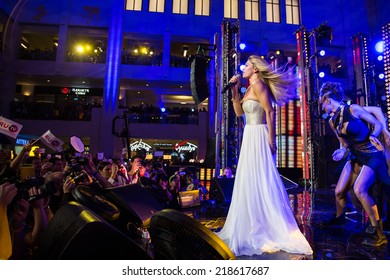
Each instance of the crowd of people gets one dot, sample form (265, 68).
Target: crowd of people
(70, 111)
(29, 202)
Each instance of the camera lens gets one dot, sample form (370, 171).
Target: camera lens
(80, 177)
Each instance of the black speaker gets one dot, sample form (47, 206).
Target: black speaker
(199, 87)
(221, 189)
(136, 203)
(176, 236)
(77, 233)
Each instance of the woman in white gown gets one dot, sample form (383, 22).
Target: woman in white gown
(260, 218)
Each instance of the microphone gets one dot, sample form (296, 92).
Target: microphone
(230, 84)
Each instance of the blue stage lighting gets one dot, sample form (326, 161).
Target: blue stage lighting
(162, 109)
(242, 46)
(380, 57)
(322, 52)
(381, 76)
(242, 66)
(321, 74)
(379, 47)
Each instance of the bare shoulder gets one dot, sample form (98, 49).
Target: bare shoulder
(354, 108)
(259, 85)
(358, 110)
(262, 94)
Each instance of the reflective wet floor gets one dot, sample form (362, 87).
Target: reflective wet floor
(310, 208)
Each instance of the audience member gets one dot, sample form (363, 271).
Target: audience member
(227, 173)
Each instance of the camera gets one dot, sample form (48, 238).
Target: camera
(79, 177)
(24, 186)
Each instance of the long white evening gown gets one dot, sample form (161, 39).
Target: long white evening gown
(260, 218)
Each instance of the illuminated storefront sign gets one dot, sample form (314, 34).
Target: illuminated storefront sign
(69, 91)
(80, 91)
(76, 91)
(139, 145)
(185, 146)
(151, 145)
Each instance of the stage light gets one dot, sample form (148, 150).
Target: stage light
(242, 66)
(381, 76)
(79, 49)
(380, 57)
(321, 74)
(185, 50)
(379, 47)
(242, 46)
(321, 52)
(271, 56)
(162, 109)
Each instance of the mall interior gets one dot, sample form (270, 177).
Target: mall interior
(131, 77)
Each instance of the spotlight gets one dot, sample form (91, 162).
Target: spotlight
(380, 57)
(381, 76)
(321, 52)
(271, 56)
(324, 34)
(80, 49)
(321, 74)
(162, 109)
(185, 50)
(379, 47)
(242, 46)
(242, 67)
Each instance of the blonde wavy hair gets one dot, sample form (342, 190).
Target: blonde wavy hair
(281, 83)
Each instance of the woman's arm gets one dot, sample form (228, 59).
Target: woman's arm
(378, 114)
(16, 162)
(359, 112)
(340, 152)
(237, 105)
(264, 96)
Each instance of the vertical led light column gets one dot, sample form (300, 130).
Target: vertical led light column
(303, 57)
(361, 66)
(386, 58)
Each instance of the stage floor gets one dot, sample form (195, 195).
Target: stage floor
(310, 208)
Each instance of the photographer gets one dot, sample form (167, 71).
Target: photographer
(83, 170)
(137, 169)
(110, 172)
(27, 221)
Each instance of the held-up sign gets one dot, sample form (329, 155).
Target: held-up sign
(9, 128)
(51, 141)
